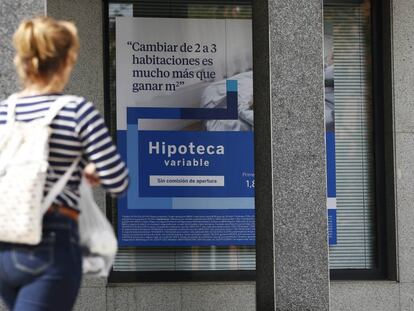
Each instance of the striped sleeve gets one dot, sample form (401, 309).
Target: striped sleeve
(100, 150)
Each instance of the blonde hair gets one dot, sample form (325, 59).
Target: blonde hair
(43, 47)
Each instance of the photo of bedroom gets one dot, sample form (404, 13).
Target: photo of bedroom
(227, 56)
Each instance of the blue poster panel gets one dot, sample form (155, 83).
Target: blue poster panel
(185, 130)
(330, 134)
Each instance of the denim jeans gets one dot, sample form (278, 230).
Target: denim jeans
(46, 276)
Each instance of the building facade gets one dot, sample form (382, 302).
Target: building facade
(366, 263)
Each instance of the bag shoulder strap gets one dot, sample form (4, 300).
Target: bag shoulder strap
(11, 107)
(57, 106)
(50, 115)
(63, 180)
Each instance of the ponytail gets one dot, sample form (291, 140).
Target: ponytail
(42, 46)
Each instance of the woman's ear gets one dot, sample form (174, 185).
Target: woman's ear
(72, 57)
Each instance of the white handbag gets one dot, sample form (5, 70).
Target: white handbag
(97, 237)
(24, 150)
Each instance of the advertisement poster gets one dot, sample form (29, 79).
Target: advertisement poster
(330, 133)
(184, 97)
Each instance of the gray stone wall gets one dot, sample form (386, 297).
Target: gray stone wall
(182, 297)
(11, 14)
(87, 77)
(298, 161)
(366, 296)
(403, 71)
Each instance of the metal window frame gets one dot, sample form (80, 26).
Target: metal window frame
(386, 267)
(153, 276)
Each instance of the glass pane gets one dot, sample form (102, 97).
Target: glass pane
(235, 64)
(349, 127)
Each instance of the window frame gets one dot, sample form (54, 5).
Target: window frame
(384, 213)
(152, 276)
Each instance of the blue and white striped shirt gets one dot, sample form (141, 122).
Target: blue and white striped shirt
(77, 130)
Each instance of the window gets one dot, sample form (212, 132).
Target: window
(228, 25)
(354, 139)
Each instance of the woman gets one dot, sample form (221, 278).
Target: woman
(48, 276)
